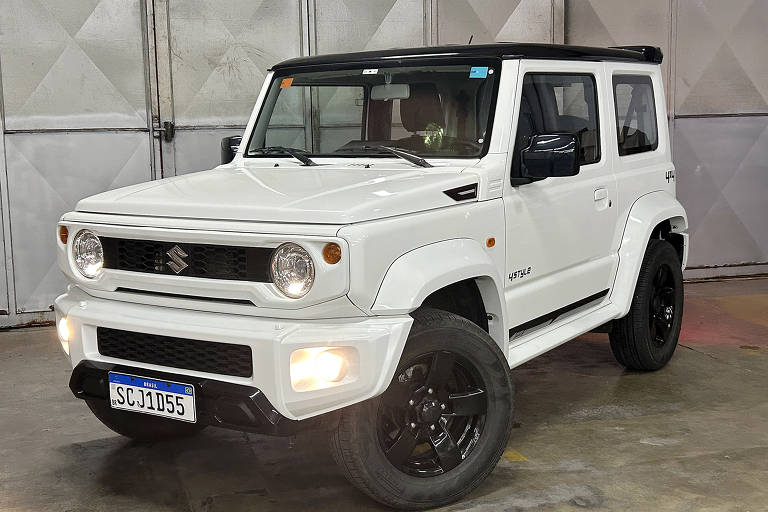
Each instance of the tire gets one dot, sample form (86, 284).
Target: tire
(385, 446)
(141, 427)
(646, 338)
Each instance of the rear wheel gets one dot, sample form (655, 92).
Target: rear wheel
(439, 429)
(141, 427)
(646, 337)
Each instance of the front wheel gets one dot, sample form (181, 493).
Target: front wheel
(440, 428)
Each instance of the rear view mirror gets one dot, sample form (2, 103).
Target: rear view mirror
(229, 146)
(390, 92)
(551, 155)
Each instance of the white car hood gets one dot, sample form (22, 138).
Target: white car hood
(324, 194)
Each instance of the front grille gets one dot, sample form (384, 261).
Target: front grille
(198, 355)
(203, 260)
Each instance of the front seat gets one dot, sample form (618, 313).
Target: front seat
(421, 109)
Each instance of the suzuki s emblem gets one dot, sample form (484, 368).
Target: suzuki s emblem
(177, 255)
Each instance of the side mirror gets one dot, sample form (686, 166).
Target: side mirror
(229, 147)
(551, 155)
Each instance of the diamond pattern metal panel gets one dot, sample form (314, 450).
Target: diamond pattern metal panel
(720, 63)
(488, 21)
(74, 64)
(47, 174)
(358, 25)
(197, 150)
(220, 51)
(722, 170)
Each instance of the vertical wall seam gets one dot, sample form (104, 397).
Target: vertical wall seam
(435, 23)
(672, 73)
(157, 91)
(5, 213)
(147, 86)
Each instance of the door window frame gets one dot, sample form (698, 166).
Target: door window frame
(597, 71)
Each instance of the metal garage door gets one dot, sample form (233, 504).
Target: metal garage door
(75, 123)
(219, 52)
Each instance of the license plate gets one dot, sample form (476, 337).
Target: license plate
(173, 400)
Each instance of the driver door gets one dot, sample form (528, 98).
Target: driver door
(560, 230)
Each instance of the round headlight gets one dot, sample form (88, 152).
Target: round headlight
(292, 270)
(88, 253)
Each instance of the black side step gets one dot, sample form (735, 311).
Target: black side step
(553, 315)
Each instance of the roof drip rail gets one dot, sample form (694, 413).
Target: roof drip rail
(650, 53)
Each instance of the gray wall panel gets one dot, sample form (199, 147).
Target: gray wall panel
(722, 171)
(220, 51)
(74, 64)
(357, 25)
(488, 21)
(721, 65)
(47, 174)
(197, 150)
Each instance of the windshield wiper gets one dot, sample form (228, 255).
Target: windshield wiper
(296, 153)
(405, 155)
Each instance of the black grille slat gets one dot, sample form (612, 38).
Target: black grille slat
(182, 353)
(228, 262)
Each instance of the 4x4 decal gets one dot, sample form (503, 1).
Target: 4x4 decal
(670, 176)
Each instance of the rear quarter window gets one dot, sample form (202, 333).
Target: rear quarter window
(636, 123)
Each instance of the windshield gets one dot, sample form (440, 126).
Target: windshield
(426, 110)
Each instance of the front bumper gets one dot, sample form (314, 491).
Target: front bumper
(219, 404)
(379, 342)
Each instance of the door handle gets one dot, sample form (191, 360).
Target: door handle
(601, 194)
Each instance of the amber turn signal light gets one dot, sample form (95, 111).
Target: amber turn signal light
(332, 253)
(63, 234)
(490, 242)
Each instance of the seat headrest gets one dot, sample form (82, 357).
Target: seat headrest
(421, 108)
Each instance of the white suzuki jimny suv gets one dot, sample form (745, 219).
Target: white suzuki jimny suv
(395, 231)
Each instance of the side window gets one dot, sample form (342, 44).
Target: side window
(636, 126)
(559, 103)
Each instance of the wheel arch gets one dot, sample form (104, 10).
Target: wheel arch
(437, 274)
(654, 215)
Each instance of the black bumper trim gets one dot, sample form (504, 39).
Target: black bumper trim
(219, 404)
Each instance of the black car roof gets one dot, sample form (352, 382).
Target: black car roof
(650, 54)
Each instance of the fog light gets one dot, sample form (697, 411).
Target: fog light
(320, 367)
(63, 330)
(330, 366)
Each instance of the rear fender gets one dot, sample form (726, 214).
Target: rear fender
(646, 213)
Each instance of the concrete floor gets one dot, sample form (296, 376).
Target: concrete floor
(693, 436)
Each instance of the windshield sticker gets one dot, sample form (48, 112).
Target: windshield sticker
(286, 83)
(478, 72)
(373, 71)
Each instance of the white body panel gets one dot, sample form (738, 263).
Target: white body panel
(402, 239)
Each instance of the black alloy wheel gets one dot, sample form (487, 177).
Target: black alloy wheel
(432, 415)
(662, 309)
